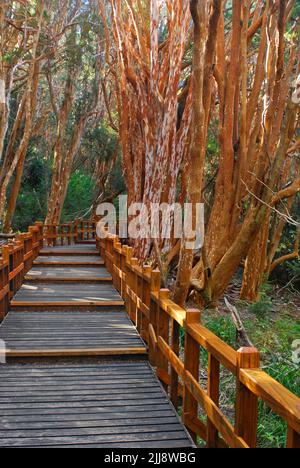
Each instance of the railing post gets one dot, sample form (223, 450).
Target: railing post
(18, 280)
(155, 283)
(144, 291)
(54, 234)
(192, 365)
(175, 336)
(7, 255)
(213, 391)
(6, 283)
(105, 245)
(133, 287)
(102, 243)
(163, 331)
(107, 253)
(35, 248)
(4, 300)
(30, 249)
(293, 438)
(75, 231)
(115, 263)
(69, 231)
(40, 227)
(64, 234)
(93, 224)
(128, 251)
(123, 258)
(246, 416)
(82, 231)
(46, 235)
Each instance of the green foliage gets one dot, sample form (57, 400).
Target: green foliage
(28, 210)
(32, 200)
(289, 271)
(265, 304)
(79, 197)
(272, 429)
(273, 336)
(33, 197)
(224, 328)
(294, 269)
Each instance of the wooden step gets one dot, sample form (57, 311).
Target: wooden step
(36, 334)
(110, 405)
(69, 260)
(68, 274)
(85, 242)
(35, 295)
(70, 253)
(70, 250)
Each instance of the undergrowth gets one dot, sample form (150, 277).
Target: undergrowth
(273, 336)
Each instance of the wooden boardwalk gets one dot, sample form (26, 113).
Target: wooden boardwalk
(95, 354)
(117, 405)
(69, 308)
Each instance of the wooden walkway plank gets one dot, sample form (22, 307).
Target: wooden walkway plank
(70, 334)
(78, 249)
(60, 294)
(87, 415)
(68, 260)
(68, 274)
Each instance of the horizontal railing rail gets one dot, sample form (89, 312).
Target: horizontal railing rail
(160, 321)
(79, 231)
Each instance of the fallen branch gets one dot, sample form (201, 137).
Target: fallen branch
(243, 337)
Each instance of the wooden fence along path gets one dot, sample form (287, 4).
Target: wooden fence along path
(66, 294)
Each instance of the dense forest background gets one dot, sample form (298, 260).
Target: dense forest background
(69, 143)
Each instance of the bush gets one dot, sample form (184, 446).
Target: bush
(265, 303)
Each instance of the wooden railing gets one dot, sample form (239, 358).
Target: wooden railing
(159, 321)
(17, 259)
(18, 256)
(77, 232)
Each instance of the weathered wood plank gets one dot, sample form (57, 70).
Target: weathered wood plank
(68, 260)
(108, 334)
(93, 409)
(68, 274)
(99, 439)
(87, 423)
(43, 294)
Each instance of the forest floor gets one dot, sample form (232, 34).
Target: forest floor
(272, 324)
